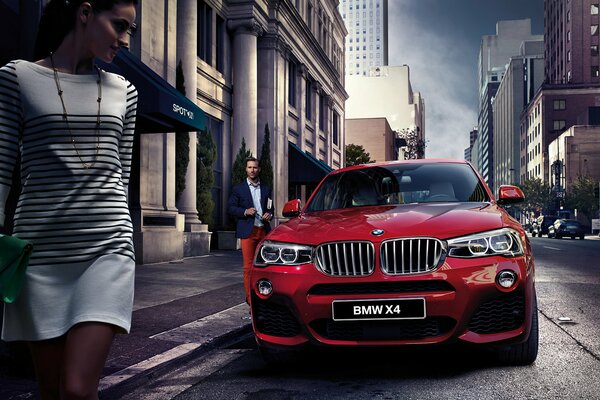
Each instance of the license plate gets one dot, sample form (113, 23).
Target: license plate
(365, 310)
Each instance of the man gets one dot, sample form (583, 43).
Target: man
(251, 204)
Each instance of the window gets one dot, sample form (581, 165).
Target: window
(594, 30)
(594, 50)
(205, 32)
(559, 104)
(569, 35)
(221, 32)
(335, 134)
(595, 71)
(308, 101)
(292, 83)
(594, 9)
(321, 112)
(559, 124)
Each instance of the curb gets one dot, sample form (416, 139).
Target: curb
(187, 352)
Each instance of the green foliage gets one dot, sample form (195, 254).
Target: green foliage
(206, 154)
(182, 142)
(266, 168)
(582, 196)
(238, 171)
(538, 197)
(356, 155)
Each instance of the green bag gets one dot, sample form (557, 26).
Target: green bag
(14, 256)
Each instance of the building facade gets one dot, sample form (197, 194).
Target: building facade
(523, 75)
(375, 135)
(575, 152)
(570, 95)
(387, 93)
(572, 37)
(247, 65)
(494, 53)
(469, 150)
(554, 109)
(367, 42)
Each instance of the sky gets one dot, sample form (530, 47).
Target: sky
(439, 40)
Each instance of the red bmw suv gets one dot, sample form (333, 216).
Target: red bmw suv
(398, 253)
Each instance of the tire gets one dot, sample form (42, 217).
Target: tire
(558, 236)
(523, 353)
(582, 237)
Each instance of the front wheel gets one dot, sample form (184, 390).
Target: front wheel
(523, 353)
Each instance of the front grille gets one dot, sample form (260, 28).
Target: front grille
(380, 288)
(274, 319)
(411, 256)
(383, 330)
(346, 258)
(502, 314)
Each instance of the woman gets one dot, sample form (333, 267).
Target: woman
(73, 126)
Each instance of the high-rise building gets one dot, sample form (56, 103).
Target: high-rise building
(565, 110)
(494, 53)
(469, 150)
(571, 30)
(524, 75)
(367, 40)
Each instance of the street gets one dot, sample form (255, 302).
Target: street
(567, 367)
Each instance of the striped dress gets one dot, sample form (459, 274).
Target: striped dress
(82, 268)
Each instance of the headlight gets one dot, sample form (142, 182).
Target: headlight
(282, 254)
(505, 242)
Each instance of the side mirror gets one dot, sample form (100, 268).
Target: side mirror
(291, 209)
(509, 194)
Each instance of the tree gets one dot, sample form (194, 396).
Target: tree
(356, 155)
(206, 154)
(266, 168)
(238, 171)
(538, 197)
(182, 142)
(582, 196)
(415, 145)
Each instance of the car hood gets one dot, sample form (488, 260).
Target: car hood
(440, 220)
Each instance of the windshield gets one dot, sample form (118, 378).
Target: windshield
(399, 184)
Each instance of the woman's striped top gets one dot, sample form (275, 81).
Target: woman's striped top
(72, 214)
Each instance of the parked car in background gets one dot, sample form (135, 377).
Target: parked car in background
(403, 253)
(541, 224)
(566, 227)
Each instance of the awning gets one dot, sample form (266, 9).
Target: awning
(304, 168)
(161, 107)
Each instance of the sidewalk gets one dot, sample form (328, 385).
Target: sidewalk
(179, 308)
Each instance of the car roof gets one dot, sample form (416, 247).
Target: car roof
(400, 162)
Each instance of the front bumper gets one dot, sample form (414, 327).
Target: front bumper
(463, 303)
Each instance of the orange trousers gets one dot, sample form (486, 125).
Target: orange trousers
(249, 245)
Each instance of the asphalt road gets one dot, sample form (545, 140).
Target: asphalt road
(568, 365)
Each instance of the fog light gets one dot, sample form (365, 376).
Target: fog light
(265, 287)
(506, 279)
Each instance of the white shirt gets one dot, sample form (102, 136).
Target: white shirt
(255, 192)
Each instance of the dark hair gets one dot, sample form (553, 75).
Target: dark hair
(252, 159)
(58, 19)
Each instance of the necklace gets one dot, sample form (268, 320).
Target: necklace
(66, 118)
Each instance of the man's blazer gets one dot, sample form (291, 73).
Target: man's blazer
(240, 200)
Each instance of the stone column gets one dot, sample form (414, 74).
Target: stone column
(196, 235)
(245, 84)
